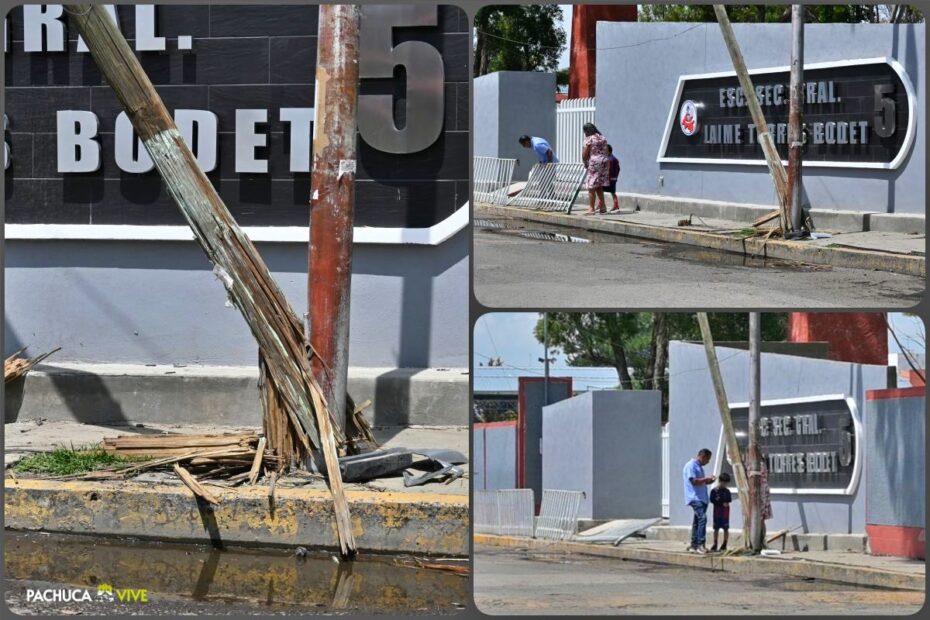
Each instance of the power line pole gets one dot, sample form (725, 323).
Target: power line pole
(795, 105)
(756, 499)
(332, 204)
(729, 434)
(289, 391)
(546, 356)
(776, 169)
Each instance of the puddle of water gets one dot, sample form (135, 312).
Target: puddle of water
(271, 577)
(543, 232)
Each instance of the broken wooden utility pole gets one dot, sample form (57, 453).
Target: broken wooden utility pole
(288, 382)
(776, 169)
(754, 456)
(332, 203)
(795, 105)
(732, 447)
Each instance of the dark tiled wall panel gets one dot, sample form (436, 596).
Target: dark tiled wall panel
(242, 57)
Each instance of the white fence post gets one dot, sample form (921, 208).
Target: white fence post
(570, 115)
(666, 472)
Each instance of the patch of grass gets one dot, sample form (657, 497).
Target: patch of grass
(747, 232)
(63, 461)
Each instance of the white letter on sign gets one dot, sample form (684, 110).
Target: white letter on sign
(146, 40)
(202, 124)
(247, 140)
(131, 155)
(111, 9)
(78, 151)
(43, 30)
(301, 120)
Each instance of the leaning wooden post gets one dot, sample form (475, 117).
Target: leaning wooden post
(235, 260)
(776, 169)
(332, 202)
(742, 484)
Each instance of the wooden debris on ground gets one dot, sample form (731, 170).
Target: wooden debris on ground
(781, 533)
(175, 445)
(462, 570)
(15, 366)
(194, 485)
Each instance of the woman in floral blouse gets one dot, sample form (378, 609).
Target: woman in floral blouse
(595, 158)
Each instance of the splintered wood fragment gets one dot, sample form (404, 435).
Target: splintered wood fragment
(257, 463)
(236, 263)
(781, 533)
(15, 367)
(272, 485)
(768, 217)
(191, 483)
(173, 445)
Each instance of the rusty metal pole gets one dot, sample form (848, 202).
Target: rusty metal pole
(332, 202)
(795, 105)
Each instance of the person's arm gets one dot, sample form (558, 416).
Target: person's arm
(702, 481)
(549, 156)
(585, 152)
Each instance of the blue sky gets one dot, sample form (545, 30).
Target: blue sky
(509, 335)
(567, 27)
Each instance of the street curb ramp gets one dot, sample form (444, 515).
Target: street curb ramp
(805, 569)
(387, 522)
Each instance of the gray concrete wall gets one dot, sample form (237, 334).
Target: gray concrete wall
(600, 442)
(638, 67)
(494, 465)
(509, 104)
(159, 303)
(532, 400)
(896, 457)
(694, 423)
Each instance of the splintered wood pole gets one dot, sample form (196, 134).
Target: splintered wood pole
(332, 203)
(287, 379)
(795, 105)
(754, 456)
(776, 169)
(729, 434)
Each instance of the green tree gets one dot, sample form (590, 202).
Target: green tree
(635, 344)
(758, 13)
(518, 38)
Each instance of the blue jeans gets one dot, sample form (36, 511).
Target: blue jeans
(699, 525)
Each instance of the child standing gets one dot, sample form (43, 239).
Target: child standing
(720, 497)
(613, 175)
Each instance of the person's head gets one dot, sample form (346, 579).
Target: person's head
(723, 480)
(525, 141)
(589, 129)
(703, 456)
(610, 150)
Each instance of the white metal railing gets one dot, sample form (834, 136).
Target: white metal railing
(506, 512)
(492, 178)
(558, 514)
(486, 513)
(551, 187)
(666, 473)
(570, 115)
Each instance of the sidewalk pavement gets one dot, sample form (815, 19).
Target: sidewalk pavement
(878, 250)
(846, 567)
(24, 438)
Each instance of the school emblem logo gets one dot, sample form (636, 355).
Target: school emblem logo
(688, 118)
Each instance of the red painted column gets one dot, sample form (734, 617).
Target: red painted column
(860, 337)
(583, 55)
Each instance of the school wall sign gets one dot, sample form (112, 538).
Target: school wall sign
(857, 114)
(810, 445)
(239, 81)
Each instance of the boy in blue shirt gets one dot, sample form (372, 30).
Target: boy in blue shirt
(696, 497)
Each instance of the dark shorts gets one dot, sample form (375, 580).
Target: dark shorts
(611, 187)
(721, 523)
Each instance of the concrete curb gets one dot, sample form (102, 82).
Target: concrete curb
(806, 569)
(422, 523)
(773, 248)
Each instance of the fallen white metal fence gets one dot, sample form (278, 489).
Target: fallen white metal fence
(551, 187)
(505, 512)
(492, 178)
(570, 115)
(558, 515)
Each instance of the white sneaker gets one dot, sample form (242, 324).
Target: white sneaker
(701, 551)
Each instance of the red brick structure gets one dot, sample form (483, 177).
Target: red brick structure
(581, 73)
(860, 337)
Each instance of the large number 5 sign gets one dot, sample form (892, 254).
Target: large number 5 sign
(423, 64)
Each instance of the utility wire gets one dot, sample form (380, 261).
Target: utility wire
(594, 49)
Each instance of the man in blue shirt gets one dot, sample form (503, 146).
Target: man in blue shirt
(543, 151)
(696, 497)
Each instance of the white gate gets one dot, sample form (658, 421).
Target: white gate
(666, 473)
(570, 115)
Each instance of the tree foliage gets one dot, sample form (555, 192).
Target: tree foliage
(518, 38)
(758, 13)
(636, 343)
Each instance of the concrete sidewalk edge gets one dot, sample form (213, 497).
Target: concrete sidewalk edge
(773, 248)
(807, 569)
(422, 523)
